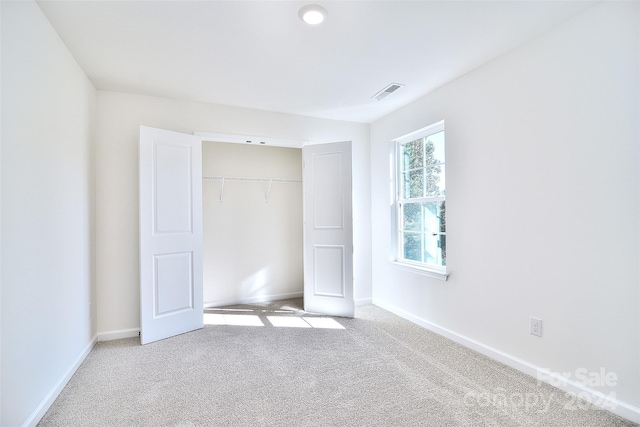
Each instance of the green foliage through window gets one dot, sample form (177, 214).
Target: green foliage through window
(422, 204)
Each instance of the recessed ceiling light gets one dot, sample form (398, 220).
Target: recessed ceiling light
(313, 14)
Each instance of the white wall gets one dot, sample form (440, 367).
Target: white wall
(119, 118)
(542, 201)
(252, 250)
(48, 112)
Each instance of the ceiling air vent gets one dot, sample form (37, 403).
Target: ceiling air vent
(387, 91)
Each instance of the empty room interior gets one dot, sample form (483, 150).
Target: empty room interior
(348, 213)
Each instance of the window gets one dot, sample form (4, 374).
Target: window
(421, 199)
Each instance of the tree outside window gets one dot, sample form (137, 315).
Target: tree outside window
(422, 199)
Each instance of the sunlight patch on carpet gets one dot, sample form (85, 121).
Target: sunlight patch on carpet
(304, 322)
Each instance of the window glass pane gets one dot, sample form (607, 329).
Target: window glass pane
(435, 181)
(413, 184)
(413, 246)
(431, 249)
(404, 192)
(412, 216)
(434, 149)
(434, 217)
(435, 249)
(431, 217)
(412, 155)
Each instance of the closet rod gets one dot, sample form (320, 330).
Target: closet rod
(245, 179)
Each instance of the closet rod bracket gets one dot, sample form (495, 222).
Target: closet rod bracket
(222, 190)
(266, 199)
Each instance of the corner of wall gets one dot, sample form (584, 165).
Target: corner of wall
(1, 376)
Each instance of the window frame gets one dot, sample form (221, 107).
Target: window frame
(397, 256)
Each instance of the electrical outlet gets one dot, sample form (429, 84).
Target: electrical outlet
(535, 326)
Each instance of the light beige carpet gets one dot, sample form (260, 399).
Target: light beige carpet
(380, 370)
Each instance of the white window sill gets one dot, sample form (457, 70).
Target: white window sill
(435, 274)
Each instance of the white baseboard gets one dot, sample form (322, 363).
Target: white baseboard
(118, 334)
(46, 403)
(589, 394)
(252, 300)
(362, 301)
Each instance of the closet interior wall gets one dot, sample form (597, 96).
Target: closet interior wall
(252, 247)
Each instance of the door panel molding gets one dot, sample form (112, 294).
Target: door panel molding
(328, 229)
(170, 181)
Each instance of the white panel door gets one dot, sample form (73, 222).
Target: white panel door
(328, 229)
(170, 234)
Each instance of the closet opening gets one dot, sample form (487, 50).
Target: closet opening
(222, 223)
(252, 227)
